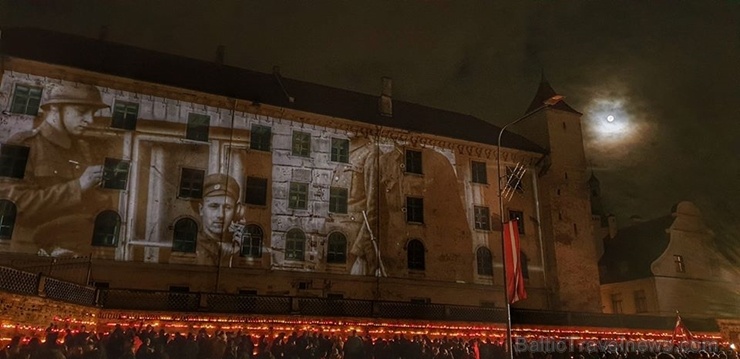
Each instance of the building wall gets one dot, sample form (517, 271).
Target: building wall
(622, 297)
(375, 177)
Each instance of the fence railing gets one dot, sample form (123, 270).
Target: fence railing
(20, 282)
(16, 281)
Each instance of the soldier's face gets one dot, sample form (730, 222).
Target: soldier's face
(216, 214)
(76, 118)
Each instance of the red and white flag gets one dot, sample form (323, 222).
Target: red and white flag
(512, 261)
(680, 330)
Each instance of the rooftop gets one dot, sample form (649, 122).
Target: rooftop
(217, 79)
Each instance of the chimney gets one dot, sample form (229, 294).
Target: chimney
(220, 54)
(385, 102)
(612, 220)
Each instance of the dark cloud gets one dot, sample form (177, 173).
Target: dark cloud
(672, 65)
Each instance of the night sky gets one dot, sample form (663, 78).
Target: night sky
(667, 70)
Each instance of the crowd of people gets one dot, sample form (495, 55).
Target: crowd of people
(148, 343)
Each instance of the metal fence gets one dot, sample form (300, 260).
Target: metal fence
(69, 292)
(16, 281)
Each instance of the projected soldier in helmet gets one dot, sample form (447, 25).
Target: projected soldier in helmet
(58, 194)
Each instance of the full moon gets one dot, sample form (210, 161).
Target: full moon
(610, 118)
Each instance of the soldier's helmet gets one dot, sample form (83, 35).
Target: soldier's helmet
(80, 94)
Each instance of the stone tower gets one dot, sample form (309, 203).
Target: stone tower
(565, 204)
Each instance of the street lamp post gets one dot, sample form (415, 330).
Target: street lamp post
(547, 103)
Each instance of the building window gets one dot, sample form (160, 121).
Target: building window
(301, 144)
(338, 200)
(524, 261)
(260, 137)
(125, 115)
(680, 267)
(13, 160)
(115, 174)
(415, 255)
(414, 210)
(198, 127)
(256, 192)
(514, 178)
(340, 150)
(640, 301)
(484, 259)
(413, 162)
(337, 249)
(186, 234)
(617, 303)
(7, 219)
(519, 216)
(482, 218)
(295, 245)
(252, 241)
(298, 197)
(191, 183)
(26, 100)
(479, 173)
(105, 232)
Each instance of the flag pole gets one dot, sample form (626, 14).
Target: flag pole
(509, 348)
(546, 103)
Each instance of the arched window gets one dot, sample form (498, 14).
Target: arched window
(186, 235)
(295, 245)
(525, 265)
(7, 219)
(485, 261)
(107, 226)
(415, 255)
(252, 241)
(337, 249)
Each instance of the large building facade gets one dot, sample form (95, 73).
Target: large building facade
(176, 174)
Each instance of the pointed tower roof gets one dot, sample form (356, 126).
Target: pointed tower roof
(544, 92)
